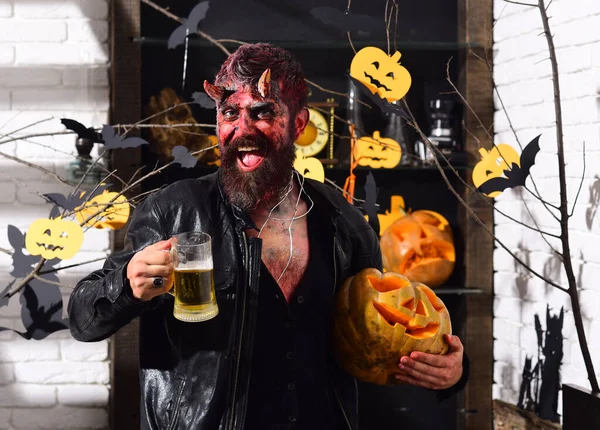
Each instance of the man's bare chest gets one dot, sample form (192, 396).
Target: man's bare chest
(285, 253)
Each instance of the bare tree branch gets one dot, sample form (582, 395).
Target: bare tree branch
(70, 266)
(6, 251)
(37, 167)
(581, 182)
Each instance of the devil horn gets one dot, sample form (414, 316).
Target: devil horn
(264, 84)
(215, 92)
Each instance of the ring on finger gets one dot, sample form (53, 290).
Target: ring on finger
(158, 282)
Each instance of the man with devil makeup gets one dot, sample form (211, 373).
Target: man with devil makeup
(282, 246)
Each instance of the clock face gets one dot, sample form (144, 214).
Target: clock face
(315, 136)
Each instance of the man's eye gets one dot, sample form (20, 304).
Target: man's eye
(228, 114)
(265, 114)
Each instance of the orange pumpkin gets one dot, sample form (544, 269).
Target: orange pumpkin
(419, 246)
(54, 238)
(107, 210)
(378, 318)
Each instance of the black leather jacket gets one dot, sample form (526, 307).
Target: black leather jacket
(195, 376)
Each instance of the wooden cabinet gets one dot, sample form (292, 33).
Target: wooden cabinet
(430, 33)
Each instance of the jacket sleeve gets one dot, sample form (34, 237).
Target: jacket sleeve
(103, 301)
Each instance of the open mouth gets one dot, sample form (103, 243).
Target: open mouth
(49, 247)
(250, 157)
(376, 82)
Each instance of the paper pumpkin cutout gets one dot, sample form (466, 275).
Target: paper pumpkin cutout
(378, 318)
(82, 131)
(182, 156)
(202, 100)
(514, 171)
(103, 212)
(345, 21)
(380, 73)
(309, 167)
(189, 25)
(112, 140)
(54, 238)
(377, 151)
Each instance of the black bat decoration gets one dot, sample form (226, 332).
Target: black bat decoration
(182, 156)
(345, 21)
(113, 140)
(516, 175)
(203, 100)
(385, 106)
(72, 200)
(189, 26)
(82, 131)
(370, 203)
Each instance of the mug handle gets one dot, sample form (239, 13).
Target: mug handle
(172, 252)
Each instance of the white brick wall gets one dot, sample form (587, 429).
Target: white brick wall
(53, 63)
(523, 77)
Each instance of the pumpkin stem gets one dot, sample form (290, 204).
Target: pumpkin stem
(483, 152)
(396, 56)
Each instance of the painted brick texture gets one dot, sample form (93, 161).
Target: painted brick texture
(54, 61)
(522, 73)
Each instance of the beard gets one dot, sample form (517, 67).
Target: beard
(264, 186)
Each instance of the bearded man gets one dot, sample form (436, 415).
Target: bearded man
(282, 246)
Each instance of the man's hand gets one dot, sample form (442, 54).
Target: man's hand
(154, 261)
(433, 371)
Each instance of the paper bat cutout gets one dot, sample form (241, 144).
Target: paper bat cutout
(112, 140)
(517, 174)
(182, 156)
(73, 200)
(82, 131)
(370, 204)
(189, 26)
(203, 100)
(345, 21)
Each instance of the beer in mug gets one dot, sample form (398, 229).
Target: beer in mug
(194, 288)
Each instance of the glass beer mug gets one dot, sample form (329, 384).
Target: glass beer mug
(193, 286)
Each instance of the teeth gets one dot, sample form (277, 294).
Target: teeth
(248, 148)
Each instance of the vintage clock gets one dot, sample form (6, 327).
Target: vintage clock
(315, 136)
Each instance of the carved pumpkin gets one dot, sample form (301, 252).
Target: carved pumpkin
(54, 238)
(419, 246)
(103, 213)
(380, 73)
(378, 318)
(493, 164)
(377, 151)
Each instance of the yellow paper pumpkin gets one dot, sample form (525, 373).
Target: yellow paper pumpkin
(100, 213)
(377, 151)
(54, 238)
(493, 164)
(380, 73)
(309, 167)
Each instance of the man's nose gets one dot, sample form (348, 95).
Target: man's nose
(245, 126)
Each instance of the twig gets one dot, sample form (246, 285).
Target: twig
(581, 182)
(6, 251)
(56, 133)
(48, 281)
(56, 269)
(131, 127)
(180, 20)
(472, 212)
(519, 3)
(15, 289)
(29, 126)
(564, 210)
(37, 167)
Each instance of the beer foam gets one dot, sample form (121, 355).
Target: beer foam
(196, 265)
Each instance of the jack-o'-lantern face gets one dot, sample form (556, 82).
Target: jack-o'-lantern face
(380, 317)
(493, 164)
(377, 151)
(421, 247)
(104, 212)
(381, 73)
(54, 238)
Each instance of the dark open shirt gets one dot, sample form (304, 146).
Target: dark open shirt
(289, 383)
